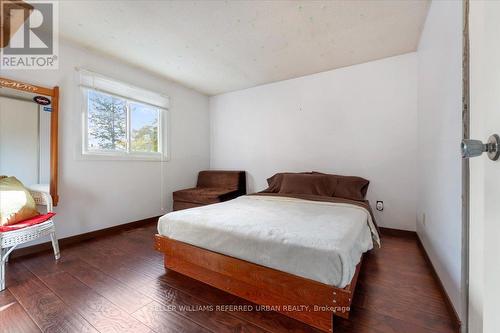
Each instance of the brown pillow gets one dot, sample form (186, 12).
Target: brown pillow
(354, 188)
(315, 184)
(349, 187)
(275, 181)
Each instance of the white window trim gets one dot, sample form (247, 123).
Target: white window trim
(163, 131)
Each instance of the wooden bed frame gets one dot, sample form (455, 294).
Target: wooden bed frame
(308, 301)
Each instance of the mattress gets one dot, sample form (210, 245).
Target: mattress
(321, 241)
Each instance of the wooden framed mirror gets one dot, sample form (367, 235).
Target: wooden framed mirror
(29, 134)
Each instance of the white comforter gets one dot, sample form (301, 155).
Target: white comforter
(321, 241)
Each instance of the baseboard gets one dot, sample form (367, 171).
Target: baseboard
(451, 309)
(65, 242)
(398, 232)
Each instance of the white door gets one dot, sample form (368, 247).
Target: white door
(484, 240)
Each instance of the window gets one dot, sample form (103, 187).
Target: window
(121, 127)
(144, 124)
(106, 122)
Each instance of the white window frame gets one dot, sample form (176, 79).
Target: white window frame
(128, 154)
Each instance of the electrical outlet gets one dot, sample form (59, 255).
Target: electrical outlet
(380, 206)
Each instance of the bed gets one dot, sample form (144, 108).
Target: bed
(299, 255)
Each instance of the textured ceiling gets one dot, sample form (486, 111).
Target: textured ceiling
(221, 46)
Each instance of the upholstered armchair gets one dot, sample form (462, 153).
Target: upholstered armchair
(213, 186)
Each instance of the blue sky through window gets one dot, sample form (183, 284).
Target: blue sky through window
(142, 115)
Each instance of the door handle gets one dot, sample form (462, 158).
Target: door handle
(473, 148)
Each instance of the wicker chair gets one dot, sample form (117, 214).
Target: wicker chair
(10, 239)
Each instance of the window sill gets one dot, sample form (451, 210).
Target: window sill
(91, 156)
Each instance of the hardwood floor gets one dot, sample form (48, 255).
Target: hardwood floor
(118, 284)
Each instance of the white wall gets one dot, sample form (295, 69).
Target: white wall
(100, 194)
(358, 120)
(439, 136)
(44, 128)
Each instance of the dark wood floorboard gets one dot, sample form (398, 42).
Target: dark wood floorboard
(95, 308)
(118, 284)
(46, 309)
(162, 319)
(13, 318)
